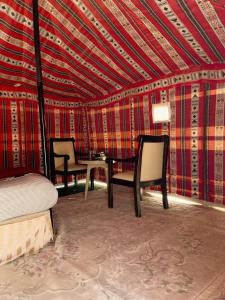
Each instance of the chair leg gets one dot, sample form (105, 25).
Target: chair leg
(92, 179)
(137, 199)
(75, 180)
(52, 177)
(164, 195)
(66, 182)
(110, 195)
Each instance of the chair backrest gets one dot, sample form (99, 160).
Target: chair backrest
(63, 146)
(152, 157)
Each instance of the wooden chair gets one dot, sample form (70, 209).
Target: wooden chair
(150, 165)
(63, 160)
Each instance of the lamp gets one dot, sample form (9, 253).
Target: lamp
(161, 112)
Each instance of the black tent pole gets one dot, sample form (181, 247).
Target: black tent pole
(40, 87)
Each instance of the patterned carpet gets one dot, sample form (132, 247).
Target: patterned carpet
(102, 253)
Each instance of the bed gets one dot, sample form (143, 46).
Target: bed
(25, 221)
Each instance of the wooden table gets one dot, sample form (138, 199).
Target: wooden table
(91, 164)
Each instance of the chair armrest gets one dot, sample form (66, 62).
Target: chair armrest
(66, 156)
(111, 160)
(65, 161)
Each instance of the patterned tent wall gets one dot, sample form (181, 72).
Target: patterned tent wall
(93, 49)
(20, 135)
(197, 138)
(66, 122)
(197, 153)
(20, 143)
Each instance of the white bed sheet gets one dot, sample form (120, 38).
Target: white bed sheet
(26, 194)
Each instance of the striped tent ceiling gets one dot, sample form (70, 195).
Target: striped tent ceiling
(94, 48)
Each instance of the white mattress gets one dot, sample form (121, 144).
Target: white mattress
(26, 194)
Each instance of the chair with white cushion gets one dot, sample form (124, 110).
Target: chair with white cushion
(63, 160)
(150, 165)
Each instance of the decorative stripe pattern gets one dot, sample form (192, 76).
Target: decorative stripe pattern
(196, 163)
(20, 135)
(92, 50)
(206, 149)
(4, 134)
(146, 113)
(105, 130)
(163, 99)
(213, 19)
(183, 147)
(135, 35)
(185, 78)
(104, 63)
(164, 42)
(118, 131)
(201, 31)
(194, 140)
(15, 135)
(184, 32)
(219, 143)
(115, 128)
(132, 128)
(173, 143)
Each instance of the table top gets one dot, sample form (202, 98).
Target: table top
(97, 162)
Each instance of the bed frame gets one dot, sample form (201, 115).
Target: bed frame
(25, 234)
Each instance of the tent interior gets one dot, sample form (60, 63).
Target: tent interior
(103, 65)
(93, 70)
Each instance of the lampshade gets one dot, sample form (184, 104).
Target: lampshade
(161, 112)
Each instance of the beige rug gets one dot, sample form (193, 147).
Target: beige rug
(103, 253)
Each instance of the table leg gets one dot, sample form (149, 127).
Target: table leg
(87, 182)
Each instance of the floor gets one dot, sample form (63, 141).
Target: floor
(109, 254)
